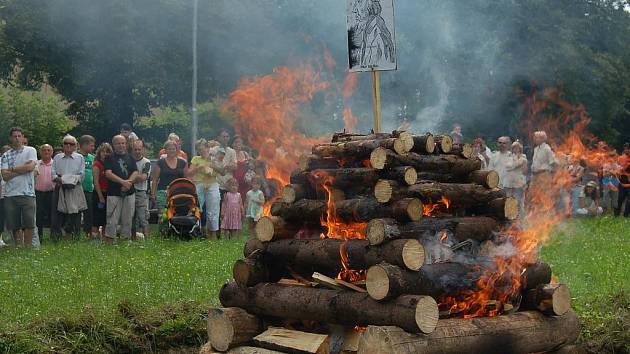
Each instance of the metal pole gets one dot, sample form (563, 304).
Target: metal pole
(194, 79)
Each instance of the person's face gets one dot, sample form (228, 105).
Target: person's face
(120, 145)
(238, 144)
(24, 141)
(457, 129)
(255, 186)
(538, 139)
(503, 144)
(626, 151)
(220, 156)
(88, 148)
(69, 146)
(125, 133)
(224, 138)
(171, 150)
(138, 150)
(105, 154)
(16, 139)
(46, 152)
(203, 151)
(517, 150)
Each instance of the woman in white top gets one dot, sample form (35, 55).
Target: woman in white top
(516, 169)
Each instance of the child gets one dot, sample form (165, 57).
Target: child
(610, 190)
(255, 201)
(231, 209)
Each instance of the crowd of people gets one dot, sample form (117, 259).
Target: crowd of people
(106, 192)
(596, 187)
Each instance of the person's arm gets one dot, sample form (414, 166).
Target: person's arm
(97, 186)
(156, 180)
(261, 199)
(112, 177)
(192, 169)
(143, 176)
(81, 170)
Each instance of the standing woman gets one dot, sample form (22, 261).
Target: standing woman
(203, 171)
(167, 169)
(242, 157)
(99, 199)
(516, 169)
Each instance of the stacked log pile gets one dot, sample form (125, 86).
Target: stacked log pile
(370, 235)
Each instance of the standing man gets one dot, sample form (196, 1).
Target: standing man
(86, 148)
(624, 181)
(121, 172)
(68, 170)
(44, 188)
(143, 165)
(17, 168)
(543, 162)
(499, 160)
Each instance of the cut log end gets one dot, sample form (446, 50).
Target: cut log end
(413, 255)
(561, 300)
(414, 209)
(220, 332)
(492, 179)
(375, 231)
(230, 327)
(383, 191)
(401, 146)
(466, 150)
(511, 208)
(407, 139)
(292, 192)
(430, 144)
(241, 272)
(445, 143)
(378, 158)
(550, 299)
(377, 283)
(264, 229)
(411, 176)
(427, 314)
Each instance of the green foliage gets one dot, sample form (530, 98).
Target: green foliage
(40, 113)
(178, 119)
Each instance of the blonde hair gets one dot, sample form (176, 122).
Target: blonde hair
(518, 145)
(101, 148)
(541, 134)
(173, 137)
(201, 143)
(169, 143)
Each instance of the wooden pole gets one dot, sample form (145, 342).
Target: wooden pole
(376, 98)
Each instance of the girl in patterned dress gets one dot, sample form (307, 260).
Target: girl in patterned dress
(231, 210)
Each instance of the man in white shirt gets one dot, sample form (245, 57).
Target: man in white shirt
(500, 159)
(543, 162)
(17, 169)
(141, 216)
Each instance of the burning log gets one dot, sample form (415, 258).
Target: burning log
(290, 341)
(459, 194)
(444, 143)
(343, 136)
(518, 333)
(536, 274)
(386, 281)
(463, 150)
(324, 255)
(476, 228)
(350, 210)
(423, 144)
(231, 327)
(412, 313)
(550, 299)
(360, 149)
(486, 178)
(273, 228)
(383, 158)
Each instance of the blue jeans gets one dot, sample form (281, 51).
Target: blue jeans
(212, 199)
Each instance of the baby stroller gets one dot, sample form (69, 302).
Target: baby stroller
(182, 216)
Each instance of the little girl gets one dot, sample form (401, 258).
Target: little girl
(255, 201)
(231, 209)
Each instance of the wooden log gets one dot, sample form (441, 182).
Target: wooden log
(255, 269)
(274, 228)
(413, 313)
(383, 158)
(464, 150)
(360, 149)
(536, 274)
(323, 255)
(312, 162)
(503, 208)
(343, 136)
(477, 228)
(459, 194)
(423, 144)
(550, 299)
(486, 178)
(293, 192)
(518, 333)
(231, 327)
(443, 143)
(350, 210)
(406, 174)
(351, 180)
(291, 341)
(386, 281)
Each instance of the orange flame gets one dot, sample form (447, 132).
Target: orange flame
(429, 209)
(347, 274)
(571, 141)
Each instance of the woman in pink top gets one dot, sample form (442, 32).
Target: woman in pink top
(44, 190)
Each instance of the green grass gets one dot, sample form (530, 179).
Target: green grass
(151, 296)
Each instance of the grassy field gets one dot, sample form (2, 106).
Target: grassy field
(81, 297)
